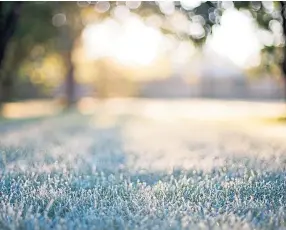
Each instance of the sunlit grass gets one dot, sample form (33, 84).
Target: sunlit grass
(30, 109)
(122, 169)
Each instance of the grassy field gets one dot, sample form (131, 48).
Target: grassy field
(129, 166)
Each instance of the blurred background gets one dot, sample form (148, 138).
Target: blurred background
(57, 55)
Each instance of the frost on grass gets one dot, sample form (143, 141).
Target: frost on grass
(68, 173)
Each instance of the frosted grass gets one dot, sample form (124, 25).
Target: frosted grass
(68, 172)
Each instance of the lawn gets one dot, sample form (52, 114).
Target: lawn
(125, 168)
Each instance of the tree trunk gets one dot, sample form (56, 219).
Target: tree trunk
(66, 44)
(6, 89)
(69, 81)
(7, 25)
(283, 67)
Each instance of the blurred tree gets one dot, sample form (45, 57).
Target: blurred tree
(270, 16)
(283, 63)
(69, 18)
(43, 28)
(9, 13)
(28, 34)
(56, 26)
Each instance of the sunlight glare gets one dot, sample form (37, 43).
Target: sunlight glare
(121, 13)
(133, 4)
(189, 5)
(167, 7)
(130, 42)
(236, 39)
(102, 6)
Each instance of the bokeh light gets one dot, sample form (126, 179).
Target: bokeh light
(140, 114)
(120, 48)
(131, 42)
(167, 7)
(237, 39)
(102, 6)
(59, 19)
(133, 4)
(189, 5)
(121, 13)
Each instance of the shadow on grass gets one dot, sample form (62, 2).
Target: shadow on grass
(9, 124)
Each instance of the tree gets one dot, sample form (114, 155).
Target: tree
(59, 24)
(9, 14)
(44, 31)
(22, 36)
(283, 14)
(264, 13)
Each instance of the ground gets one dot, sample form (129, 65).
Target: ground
(144, 165)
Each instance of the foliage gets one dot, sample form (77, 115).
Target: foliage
(36, 27)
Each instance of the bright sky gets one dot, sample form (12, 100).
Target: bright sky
(130, 41)
(237, 39)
